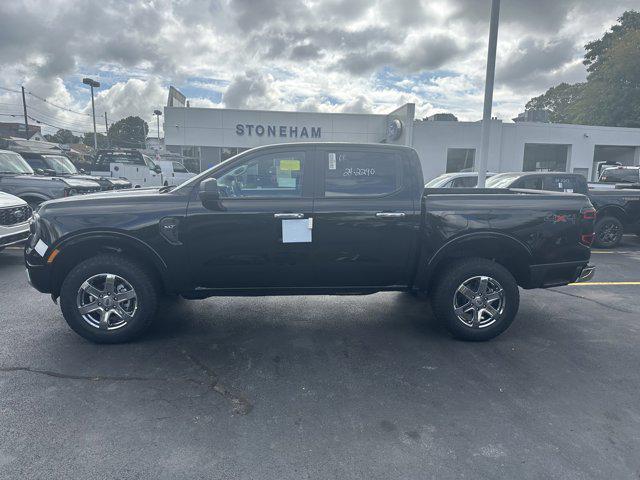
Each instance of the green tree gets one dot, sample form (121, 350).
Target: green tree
(558, 101)
(63, 136)
(129, 132)
(596, 50)
(102, 140)
(611, 94)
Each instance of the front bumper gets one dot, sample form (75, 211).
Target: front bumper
(10, 235)
(38, 272)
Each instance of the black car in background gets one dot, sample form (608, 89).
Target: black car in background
(618, 210)
(19, 179)
(58, 165)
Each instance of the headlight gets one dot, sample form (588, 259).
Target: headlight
(35, 229)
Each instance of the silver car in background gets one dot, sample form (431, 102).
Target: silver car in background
(15, 214)
(456, 180)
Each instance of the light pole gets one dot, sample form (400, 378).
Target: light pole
(488, 93)
(157, 113)
(92, 84)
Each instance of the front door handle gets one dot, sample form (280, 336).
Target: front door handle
(288, 215)
(390, 214)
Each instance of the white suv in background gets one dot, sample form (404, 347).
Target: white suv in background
(15, 214)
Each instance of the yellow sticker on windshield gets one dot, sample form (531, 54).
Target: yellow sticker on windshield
(290, 165)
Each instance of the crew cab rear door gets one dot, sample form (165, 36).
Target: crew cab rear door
(366, 216)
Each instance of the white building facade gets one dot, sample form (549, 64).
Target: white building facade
(213, 135)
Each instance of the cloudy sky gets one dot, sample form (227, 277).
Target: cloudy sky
(313, 55)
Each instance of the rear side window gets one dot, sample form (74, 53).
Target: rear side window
(361, 173)
(559, 184)
(533, 182)
(104, 159)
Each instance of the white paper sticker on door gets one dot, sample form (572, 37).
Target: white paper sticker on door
(296, 231)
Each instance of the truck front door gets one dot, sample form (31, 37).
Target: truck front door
(239, 243)
(366, 216)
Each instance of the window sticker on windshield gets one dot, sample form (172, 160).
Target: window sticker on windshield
(292, 165)
(332, 161)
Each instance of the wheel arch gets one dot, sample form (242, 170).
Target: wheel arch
(508, 251)
(80, 247)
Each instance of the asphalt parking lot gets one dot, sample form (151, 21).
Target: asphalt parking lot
(327, 387)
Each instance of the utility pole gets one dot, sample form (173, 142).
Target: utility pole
(93, 83)
(106, 127)
(488, 93)
(26, 122)
(157, 113)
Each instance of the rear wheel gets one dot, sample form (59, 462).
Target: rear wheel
(608, 232)
(476, 299)
(108, 299)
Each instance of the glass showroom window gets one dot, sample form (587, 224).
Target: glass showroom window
(460, 159)
(545, 157)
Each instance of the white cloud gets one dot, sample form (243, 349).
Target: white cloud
(320, 55)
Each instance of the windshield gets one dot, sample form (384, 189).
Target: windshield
(13, 163)
(438, 181)
(503, 180)
(60, 164)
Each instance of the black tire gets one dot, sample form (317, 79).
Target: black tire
(446, 293)
(608, 232)
(136, 275)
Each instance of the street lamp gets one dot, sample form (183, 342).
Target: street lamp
(488, 93)
(157, 113)
(92, 84)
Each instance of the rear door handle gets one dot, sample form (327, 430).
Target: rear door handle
(390, 214)
(288, 215)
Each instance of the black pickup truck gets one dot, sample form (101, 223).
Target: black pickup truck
(307, 218)
(618, 211)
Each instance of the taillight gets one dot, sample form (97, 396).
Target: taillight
(587, 239)
(588, 214)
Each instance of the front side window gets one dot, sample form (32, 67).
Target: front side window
(179, 168)
(361, 173)
(60, 164)
(267, 175)
(464, 182)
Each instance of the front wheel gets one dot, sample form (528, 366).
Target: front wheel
(108, 299)
(476, 299)
(609, 231)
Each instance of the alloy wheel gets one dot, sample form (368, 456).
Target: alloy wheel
(107, 301)
(479, 301)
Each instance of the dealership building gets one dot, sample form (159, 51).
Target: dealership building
(214, 134)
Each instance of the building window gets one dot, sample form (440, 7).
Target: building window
(228, 152)
(545, 157)
(460, 159)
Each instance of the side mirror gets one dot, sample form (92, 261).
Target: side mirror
(157, 169)
(39, 171)
(209, 191)
(82, 170)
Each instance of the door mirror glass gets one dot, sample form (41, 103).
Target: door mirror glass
(39, 171)
(157, 169)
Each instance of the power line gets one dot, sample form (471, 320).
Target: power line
(57, 106)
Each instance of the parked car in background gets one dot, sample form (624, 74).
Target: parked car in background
(19, 179)
(137, 168)
(173, 172)
(56, 165)
(620, 174)
(456, 180)
(307, 218)
(15, 214)
(618, 210)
